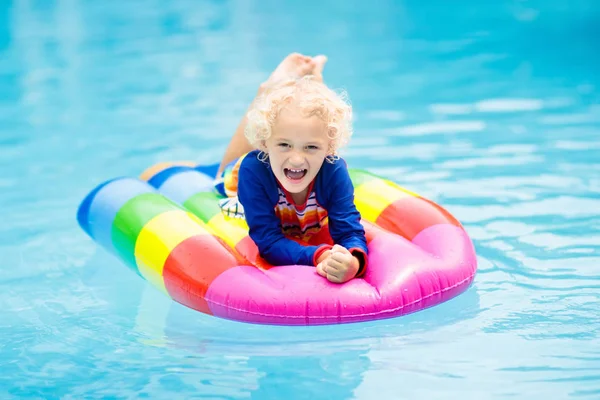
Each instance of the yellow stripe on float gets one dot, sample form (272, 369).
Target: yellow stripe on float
(149, 273)
(231, 230)
(374, 196)
(159, 237)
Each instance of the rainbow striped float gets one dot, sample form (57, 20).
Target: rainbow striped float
(168, 228)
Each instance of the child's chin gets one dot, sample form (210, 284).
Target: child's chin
(294, 187)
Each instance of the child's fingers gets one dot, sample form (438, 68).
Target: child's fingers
(330, 270)
(334, 269)
(341, 258)
(334, 279)
(336, 248)
(339, 249)
(321, 270)
(334, 264)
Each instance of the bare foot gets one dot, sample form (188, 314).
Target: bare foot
(293, 66)
(319, 63)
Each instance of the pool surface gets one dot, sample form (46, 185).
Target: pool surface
(491, 110)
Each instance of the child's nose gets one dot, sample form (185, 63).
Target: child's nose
(296, 159)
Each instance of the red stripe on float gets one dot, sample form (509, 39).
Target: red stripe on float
(247, 249)
(408, 216)
(193, 265)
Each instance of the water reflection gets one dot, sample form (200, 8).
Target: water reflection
(326, 361)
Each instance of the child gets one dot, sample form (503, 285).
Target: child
(287, 180)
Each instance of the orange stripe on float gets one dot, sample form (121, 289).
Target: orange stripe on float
(372, 197)
(156, 168)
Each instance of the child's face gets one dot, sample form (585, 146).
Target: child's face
(297, 148)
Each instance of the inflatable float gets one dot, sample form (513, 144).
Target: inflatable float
(167, 227)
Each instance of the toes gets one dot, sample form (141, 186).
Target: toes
(306, 68)
(320, 61)
(296, 64)
(297, 58)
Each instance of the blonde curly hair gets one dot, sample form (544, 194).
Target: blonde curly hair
(314, 98)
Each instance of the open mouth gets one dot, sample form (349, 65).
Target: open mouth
(294, 174)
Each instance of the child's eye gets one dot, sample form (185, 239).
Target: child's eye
(283, 145)
(312, 147)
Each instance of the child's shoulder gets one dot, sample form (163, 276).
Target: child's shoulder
(331, 170)
(333, 181)
(252, 161)
(254, 173)
(253, 166)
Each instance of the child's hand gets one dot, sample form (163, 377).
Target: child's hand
(339, 266)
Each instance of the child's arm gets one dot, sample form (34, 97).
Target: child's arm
(265, 227)
(344, 219)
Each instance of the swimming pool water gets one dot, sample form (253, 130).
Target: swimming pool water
(492, 110)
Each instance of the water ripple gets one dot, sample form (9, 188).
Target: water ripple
(471, 109)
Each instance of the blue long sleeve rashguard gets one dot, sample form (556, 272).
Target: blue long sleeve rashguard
(259, 193)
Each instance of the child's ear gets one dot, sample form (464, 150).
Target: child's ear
(262, 145)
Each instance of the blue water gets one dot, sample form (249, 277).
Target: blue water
(491, 109)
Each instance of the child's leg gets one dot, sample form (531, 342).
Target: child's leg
(294, 65)
(237, 147)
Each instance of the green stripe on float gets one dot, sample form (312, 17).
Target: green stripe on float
(204, 205)
(132, 218)
(360, 176)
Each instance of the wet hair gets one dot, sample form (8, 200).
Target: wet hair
(313, 98)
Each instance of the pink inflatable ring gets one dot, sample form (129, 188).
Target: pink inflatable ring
(168, 228)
